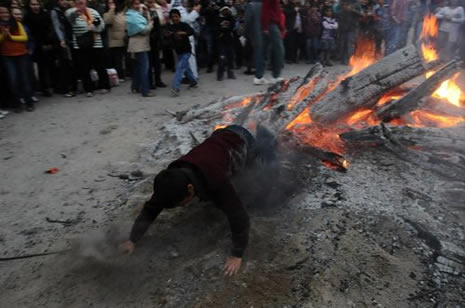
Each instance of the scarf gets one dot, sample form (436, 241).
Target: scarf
(136, 22)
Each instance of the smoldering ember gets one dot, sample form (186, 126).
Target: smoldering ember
(365, 207)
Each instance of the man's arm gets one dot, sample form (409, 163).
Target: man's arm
(146, 217)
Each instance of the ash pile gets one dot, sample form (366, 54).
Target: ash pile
(364, 208)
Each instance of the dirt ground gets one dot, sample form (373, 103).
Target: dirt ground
(331, 240)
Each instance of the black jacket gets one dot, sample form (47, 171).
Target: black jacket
(181, 43)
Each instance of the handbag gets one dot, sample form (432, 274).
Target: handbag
(85, 41)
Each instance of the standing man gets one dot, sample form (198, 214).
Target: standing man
(398, 11)
(205, 173)
(273, 29)
(254, 34)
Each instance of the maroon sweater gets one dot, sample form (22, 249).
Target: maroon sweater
(271, 14)
(211, 164)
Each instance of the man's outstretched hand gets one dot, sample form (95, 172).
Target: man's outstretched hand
(127, 247)
(232, 266)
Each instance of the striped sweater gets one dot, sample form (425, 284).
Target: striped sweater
(80, 26)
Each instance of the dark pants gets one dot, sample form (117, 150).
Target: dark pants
(20, 85)
(155, 63)
(45, 64)
(88, 59)
(117, 58)
(65, 75)
(140, 79)
(226, 59)
(313, 45)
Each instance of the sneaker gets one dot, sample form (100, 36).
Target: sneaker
(175, 92)
(4, 112)
(259, 81)
(89, 94)
(275, 80)
(69, 94)
(193, 85)
(104, 91)
(34, 99)
(121, 80)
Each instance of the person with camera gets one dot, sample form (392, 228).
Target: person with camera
(87, 26)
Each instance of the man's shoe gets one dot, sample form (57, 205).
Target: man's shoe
(29, 107)
(231, 75)
(34, 99)
(193, 85)
(150, 94)
(104, 91)
(259, 81)
(219, 77)
(249, 72)
(89, 94)
(175, 92)
(161, 85)
(185, 80)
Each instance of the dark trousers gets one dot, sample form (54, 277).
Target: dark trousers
(226, 59)
(19, 81)
(117, 58)
(65, 75)
(45, 65)
(140, 79)
(155, 63)
(88, 59)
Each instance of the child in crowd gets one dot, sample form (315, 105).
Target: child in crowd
(226, 44)
(313, 32)
(328, 36)
(179, 33)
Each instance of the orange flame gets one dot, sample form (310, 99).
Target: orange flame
(302, 118)
(429, 52)
(423, 118)
(364, 56)
(430, 27)
(449, 91)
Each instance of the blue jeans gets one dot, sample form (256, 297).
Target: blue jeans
(140, 80)
(181, 69)
(313, 44)
(17, 70)
(395, 38)
(277, 50)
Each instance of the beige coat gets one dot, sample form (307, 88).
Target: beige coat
(141, 41)
(116, 28)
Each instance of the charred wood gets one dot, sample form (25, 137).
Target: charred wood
(363, 89)
(413, 99)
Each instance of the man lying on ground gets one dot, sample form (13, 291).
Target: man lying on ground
(205, 173)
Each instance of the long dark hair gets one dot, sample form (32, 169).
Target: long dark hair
(120, 5)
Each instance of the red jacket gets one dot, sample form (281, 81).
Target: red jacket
(271, 14)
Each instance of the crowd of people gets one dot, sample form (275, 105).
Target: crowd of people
(82, 46)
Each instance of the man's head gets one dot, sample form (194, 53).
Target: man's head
(175, 16)
(17, 14)
(34, 5)
(173, 187)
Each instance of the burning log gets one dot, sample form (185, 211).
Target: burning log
(440, 107)
(364, 89)
(440, 150)
(413, 99)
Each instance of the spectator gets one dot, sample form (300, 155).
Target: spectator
(156, 14)
(38, 21)
(179, 33)
(273, 28)
(167, 50)
(115, 21)
(290, 42)
(210, 12)
(367, 21)
(64, 36)
(451, 17)
(190, 18)
(328, 36)
(14, 57)
(382, 25)
(398, 12)
(87, 25)
(226, 44)
(348, 13)
(139, 27)
(313, 32)
(254, 34)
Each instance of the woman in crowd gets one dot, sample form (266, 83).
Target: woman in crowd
(64, 34)
(14, 57)
(115, 21)
(156, 14)
(87, 26)
(451, 17)
(139, 27)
